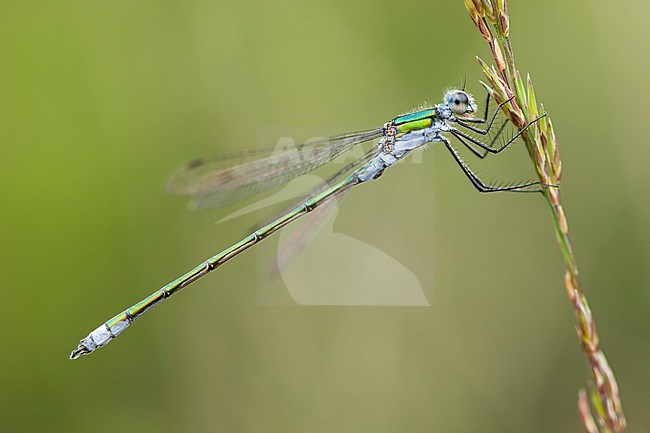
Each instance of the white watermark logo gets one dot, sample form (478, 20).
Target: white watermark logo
(318, 265)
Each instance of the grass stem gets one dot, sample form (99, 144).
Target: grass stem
(503, 81)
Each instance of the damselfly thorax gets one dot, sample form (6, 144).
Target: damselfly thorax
(408, 132)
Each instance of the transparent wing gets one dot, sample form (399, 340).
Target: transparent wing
(304, 235)
(238, 175)
(311, 224)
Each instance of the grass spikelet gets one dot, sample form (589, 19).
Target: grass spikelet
(504, 82)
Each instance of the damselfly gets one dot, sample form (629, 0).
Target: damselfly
(260, 169)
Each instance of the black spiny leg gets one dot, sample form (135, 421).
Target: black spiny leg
(482, 186)
(484, 153)
(462, 135)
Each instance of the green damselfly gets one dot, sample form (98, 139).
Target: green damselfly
(261, 169)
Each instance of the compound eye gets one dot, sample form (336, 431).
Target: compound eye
(459, 103)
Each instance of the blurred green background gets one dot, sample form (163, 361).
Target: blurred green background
(99, 101)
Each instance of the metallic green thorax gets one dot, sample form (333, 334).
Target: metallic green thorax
(414, 121)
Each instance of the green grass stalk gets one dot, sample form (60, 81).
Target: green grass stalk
(503, 82)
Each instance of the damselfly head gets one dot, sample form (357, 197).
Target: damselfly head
(460, 102)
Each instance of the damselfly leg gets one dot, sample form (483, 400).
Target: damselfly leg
(465, 120)
(463, 135)
(484, 153)
(482, 186)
